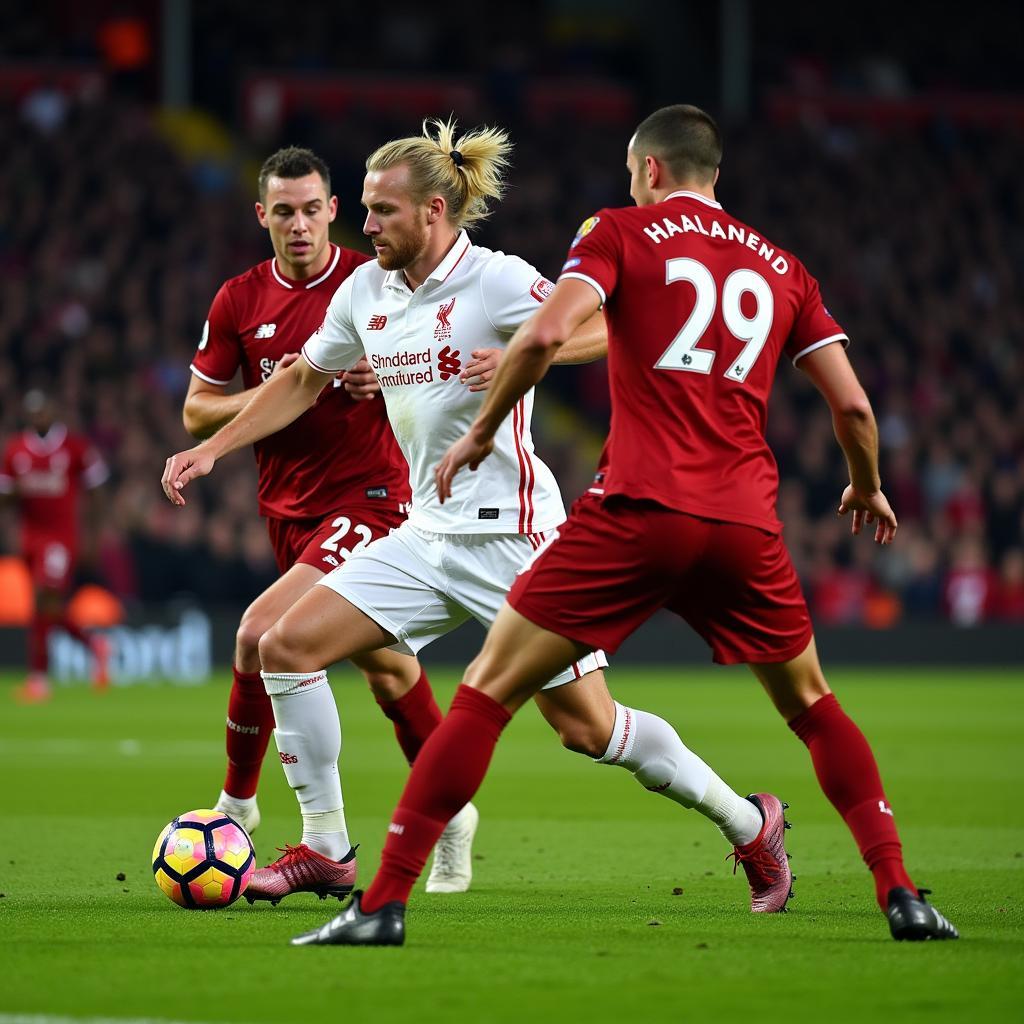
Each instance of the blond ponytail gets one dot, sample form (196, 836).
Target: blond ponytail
(466, 171)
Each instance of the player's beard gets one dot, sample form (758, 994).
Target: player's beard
(403, 249)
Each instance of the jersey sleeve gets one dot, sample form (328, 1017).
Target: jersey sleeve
(814, 326)
(219, 352)
(595, 255)
(335, 345)
(511, 290)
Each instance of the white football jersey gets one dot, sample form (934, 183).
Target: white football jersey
(418, 343)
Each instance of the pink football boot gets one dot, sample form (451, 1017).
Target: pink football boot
(303, 870)
(765, 860)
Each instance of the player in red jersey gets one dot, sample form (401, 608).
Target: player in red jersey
(44, 471)
(700, 308)
(329, 483)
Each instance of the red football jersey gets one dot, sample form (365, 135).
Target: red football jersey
(339, 452)
(699, 310)
(47, 476)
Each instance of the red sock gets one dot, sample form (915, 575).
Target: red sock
(848, 776)
(72, 629)
(448, 772)
(415, 716)
(250, 723)
(38, 634)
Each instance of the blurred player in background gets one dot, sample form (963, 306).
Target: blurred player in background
(44, 471)
(700, 309)
(431, 296)
(329, 483)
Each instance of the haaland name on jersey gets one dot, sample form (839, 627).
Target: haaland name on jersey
(659, 232)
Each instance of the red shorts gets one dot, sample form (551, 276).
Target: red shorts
(617, 561)
(326, 543)
(51, 561)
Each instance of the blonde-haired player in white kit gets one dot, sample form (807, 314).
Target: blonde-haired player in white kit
(430, 298)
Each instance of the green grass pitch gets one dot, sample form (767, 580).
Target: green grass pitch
(573, 914)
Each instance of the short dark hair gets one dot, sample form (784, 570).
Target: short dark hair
(292, 162)
(684, 138)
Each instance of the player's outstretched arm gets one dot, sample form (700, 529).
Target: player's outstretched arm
(587, 344)
(857, 433)
(526, 360)
(276, 403)
(208, 407)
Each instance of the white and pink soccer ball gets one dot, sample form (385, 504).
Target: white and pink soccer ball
(203, 860)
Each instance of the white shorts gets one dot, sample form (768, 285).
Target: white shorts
(420, 585)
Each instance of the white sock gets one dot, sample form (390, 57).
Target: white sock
(308, 738)
(228, 803)
(651, 749)
(738, 819)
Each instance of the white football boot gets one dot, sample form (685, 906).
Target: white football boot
(452, 870)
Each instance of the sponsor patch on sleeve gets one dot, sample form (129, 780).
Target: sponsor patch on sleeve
(585, 228)
(569, 264)
(542, 289)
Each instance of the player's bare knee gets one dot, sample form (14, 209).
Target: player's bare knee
(582, 738)
(277, 653)
(386, 685)
(247, 641)
(477, 672)
(799, 693)
(809, 691)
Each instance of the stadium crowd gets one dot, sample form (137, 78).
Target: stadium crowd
(112, 244)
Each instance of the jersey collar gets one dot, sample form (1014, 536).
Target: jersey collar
(291, 285)
(48, 442)
(444, 269)
(396, 278)
(684, 194)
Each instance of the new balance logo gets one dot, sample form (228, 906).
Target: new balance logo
(448, 362)
(377, 322)
(245, 730)
(265, 331)
(443, 330)
(396, 829)
(884, 808)
(289, 758)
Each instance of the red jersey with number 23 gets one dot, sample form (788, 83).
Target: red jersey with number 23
(699, 309)
(340, 452)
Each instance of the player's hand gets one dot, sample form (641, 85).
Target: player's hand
(479, 372)
(361, 382)
(467, 451)
(182, 468)
(283, 363)
(869, 508)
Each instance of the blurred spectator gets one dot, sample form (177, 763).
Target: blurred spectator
(970, 586)
(112, 244)
(1009, 601)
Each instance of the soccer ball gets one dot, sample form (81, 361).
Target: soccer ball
(203, 860)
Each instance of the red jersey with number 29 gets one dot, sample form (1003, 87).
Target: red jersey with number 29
(699, 309)
(338, 453)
